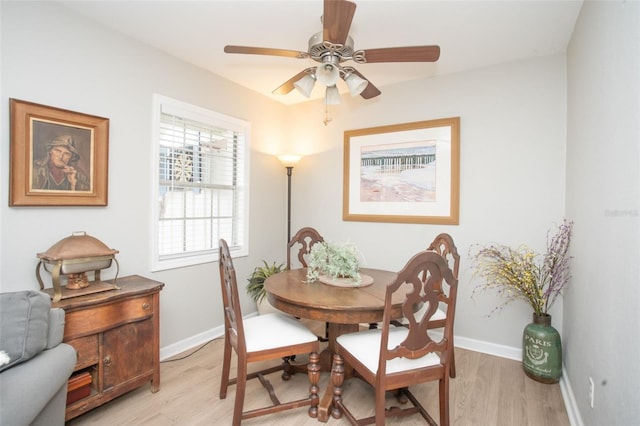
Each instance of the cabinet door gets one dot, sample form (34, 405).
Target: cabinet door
(128, 353)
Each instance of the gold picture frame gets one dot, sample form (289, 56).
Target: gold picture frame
(404, 173)
(58, 157)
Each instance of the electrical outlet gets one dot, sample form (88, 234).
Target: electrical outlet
(591, 392)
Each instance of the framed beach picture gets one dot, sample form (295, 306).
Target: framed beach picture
(407, 173)
(58, 157)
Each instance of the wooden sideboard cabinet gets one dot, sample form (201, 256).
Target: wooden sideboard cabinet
(116, 336)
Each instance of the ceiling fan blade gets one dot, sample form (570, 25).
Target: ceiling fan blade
(266, 51)
(288, 86)
(402, 54)
(370, 91)
(336, 20)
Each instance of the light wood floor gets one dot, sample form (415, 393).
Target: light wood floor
(488, 391)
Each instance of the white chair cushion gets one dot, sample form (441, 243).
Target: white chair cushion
(365, 346)
(274, 330)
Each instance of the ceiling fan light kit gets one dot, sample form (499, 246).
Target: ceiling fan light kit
(305, 84)
(327, 74)
(332, 96)
(333, 46)
(355, 84)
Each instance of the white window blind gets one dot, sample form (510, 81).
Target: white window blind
(202, 184)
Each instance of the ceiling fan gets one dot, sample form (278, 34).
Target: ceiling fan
(333, 46)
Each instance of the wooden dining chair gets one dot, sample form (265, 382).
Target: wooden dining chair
(396, 358)
(302, 242)
(260, 338)
(443, 245)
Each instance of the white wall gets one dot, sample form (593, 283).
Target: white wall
(54, 57)
(602, 308)
(512, 175)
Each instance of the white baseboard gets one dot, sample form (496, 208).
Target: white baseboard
(502, 351)
(193, 341)
(190, 342)
(575, 419)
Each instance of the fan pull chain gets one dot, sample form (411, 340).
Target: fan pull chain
(327, 116)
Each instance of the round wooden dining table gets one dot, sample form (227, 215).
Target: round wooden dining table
(290, 292)
(342, 308)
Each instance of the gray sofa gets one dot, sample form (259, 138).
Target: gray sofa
(36, 365)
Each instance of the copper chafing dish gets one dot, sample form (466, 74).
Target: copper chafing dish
(73, 257)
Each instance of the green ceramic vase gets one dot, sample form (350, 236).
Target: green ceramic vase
(542, 350)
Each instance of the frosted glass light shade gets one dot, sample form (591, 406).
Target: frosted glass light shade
(332, 96)
(305, 85)
(355, 84)
(289, 160)
(327, 74)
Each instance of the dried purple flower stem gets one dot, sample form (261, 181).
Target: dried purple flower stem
(523, 274)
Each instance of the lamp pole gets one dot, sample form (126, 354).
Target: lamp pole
(288, 161)
(289, 171)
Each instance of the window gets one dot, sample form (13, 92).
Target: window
(201, 191)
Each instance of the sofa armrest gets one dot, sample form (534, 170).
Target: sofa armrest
(28, 387)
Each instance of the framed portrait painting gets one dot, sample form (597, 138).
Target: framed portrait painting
(406, 173)
(58, 157)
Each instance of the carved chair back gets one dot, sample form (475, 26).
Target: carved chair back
(302, 241)
(234, 332)
(443, 245)
(425, 279)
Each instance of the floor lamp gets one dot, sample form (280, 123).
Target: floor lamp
(288, 161)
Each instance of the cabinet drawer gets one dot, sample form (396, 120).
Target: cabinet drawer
(100, 318)
(87, 351)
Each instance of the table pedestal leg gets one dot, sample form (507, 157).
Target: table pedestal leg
(326, 359)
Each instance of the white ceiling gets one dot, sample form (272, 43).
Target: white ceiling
(471, 34)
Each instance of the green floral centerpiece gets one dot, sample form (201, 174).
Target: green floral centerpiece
(336, 261)
(523, 274)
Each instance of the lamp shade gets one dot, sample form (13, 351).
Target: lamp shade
(332, 96)
(305, 85)
(355, 84)
(289, 160)
(327, 74)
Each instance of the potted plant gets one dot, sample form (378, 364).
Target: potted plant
(255, 284)
(537, 279)
(334, 261)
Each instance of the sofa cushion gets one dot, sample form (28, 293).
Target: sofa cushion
(56, 327)
(24, 318)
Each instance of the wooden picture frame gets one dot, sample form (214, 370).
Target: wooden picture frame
(405, 173)
(57, 157)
